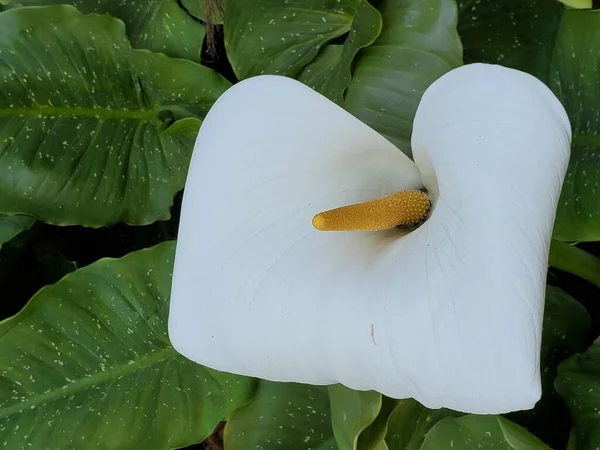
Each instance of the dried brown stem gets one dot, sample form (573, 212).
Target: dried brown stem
(212, 10)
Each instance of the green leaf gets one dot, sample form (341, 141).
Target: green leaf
(418, 44)
(281, 37)
(89, 129)
(565, 332)
(575, 81)
(157, 25)
(88, 364)
(351, 413)
(557, 46)
(531, 36)
(10, 226)
(579, 4)
(572, 259)
(373, 437)
(286, 416)
(409, 423)
(514, 33)
(481, 433)
(330, 72)
(578, 383)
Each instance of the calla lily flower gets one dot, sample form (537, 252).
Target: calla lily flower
(445, 308)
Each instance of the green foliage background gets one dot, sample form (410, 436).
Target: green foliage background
(100, 103)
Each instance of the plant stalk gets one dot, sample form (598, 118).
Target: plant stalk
(574, 260)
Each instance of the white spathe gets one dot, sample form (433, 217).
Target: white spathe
(450, 314)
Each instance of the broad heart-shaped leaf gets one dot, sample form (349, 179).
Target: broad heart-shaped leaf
(574, 78)
(578, 383)
(410, 421)
(88, 364)
(565, 332)
(10, 226)
(351, 413)
(281, 36)
(87, 131)
(157, 25)
(514, 33)
(480, 433)
(330, 72)
(418, 44)
(286, 416)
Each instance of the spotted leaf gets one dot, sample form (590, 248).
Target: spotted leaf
(418, 44)
(330, 72)
(91, 131)
(287, 416)
(578, 383)
(157, 25)
(574, 78)
(482, 433)
(88, 364)
(281, 37)
(514, 33)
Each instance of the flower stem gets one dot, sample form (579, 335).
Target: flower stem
(574, 260)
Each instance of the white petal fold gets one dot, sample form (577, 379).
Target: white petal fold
(449, 314)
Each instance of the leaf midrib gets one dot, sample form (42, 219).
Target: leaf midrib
(78, 112)
(82, 384)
